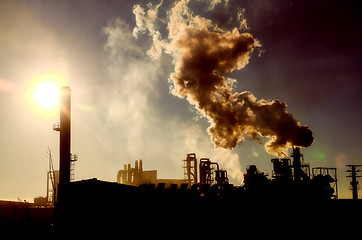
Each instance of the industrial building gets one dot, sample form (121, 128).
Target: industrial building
(203, 205)
(285, 206)
(136, 176)
(293, 203)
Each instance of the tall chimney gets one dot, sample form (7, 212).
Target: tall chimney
(64, 148)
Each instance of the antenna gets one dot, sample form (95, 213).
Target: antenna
(50, 179)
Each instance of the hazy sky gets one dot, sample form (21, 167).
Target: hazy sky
(122, 106)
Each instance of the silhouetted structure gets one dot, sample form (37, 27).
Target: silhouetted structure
(52, 181)
(136, 176)
(23, 220)
(209, 175)
(264, 210)
(66, 159)
(64, 147)
(140, 206)
(354, 175)
(190, 169)
(52, 186)
(293, 176)
(285, 170)
(328, 175)
(254, 178)
(290, 205)
(206, 171)
(283, 207)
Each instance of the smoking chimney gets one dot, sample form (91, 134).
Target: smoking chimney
(64, 128)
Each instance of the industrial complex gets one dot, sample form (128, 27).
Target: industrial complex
(295, 202)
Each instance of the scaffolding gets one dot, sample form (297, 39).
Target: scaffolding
(52, 181)
(190, 169)
(286, 170)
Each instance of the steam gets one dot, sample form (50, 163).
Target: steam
(204, 55)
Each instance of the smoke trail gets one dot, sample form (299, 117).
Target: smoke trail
(203, 55)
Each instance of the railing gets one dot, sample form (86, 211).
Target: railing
(73, 157)
(56, 127)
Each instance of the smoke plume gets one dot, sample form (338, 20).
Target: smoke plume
(204, 55)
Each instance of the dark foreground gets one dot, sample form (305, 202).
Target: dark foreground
(95, 209)
(20, 220)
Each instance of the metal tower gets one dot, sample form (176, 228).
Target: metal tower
(190, 168)
(354, 175)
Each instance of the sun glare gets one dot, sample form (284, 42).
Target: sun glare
(43, 93)
(47, 94)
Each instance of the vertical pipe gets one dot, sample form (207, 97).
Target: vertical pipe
(124, 176)
(135, 176)
(129, 174)
(141, 172)
(188, 169)
(195, 169)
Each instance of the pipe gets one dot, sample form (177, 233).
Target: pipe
(129, 174)
(140, 176)
(205, 170)
(119, 175)
(135, 173)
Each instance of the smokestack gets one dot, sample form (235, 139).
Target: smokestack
(297, 164)
(64, 148)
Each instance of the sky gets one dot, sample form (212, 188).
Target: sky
(125, 61)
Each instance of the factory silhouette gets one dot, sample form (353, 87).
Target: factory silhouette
(295, 202)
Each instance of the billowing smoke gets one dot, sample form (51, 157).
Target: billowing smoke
(204, 55)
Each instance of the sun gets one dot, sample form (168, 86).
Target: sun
(43, 93)
(47, 94)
